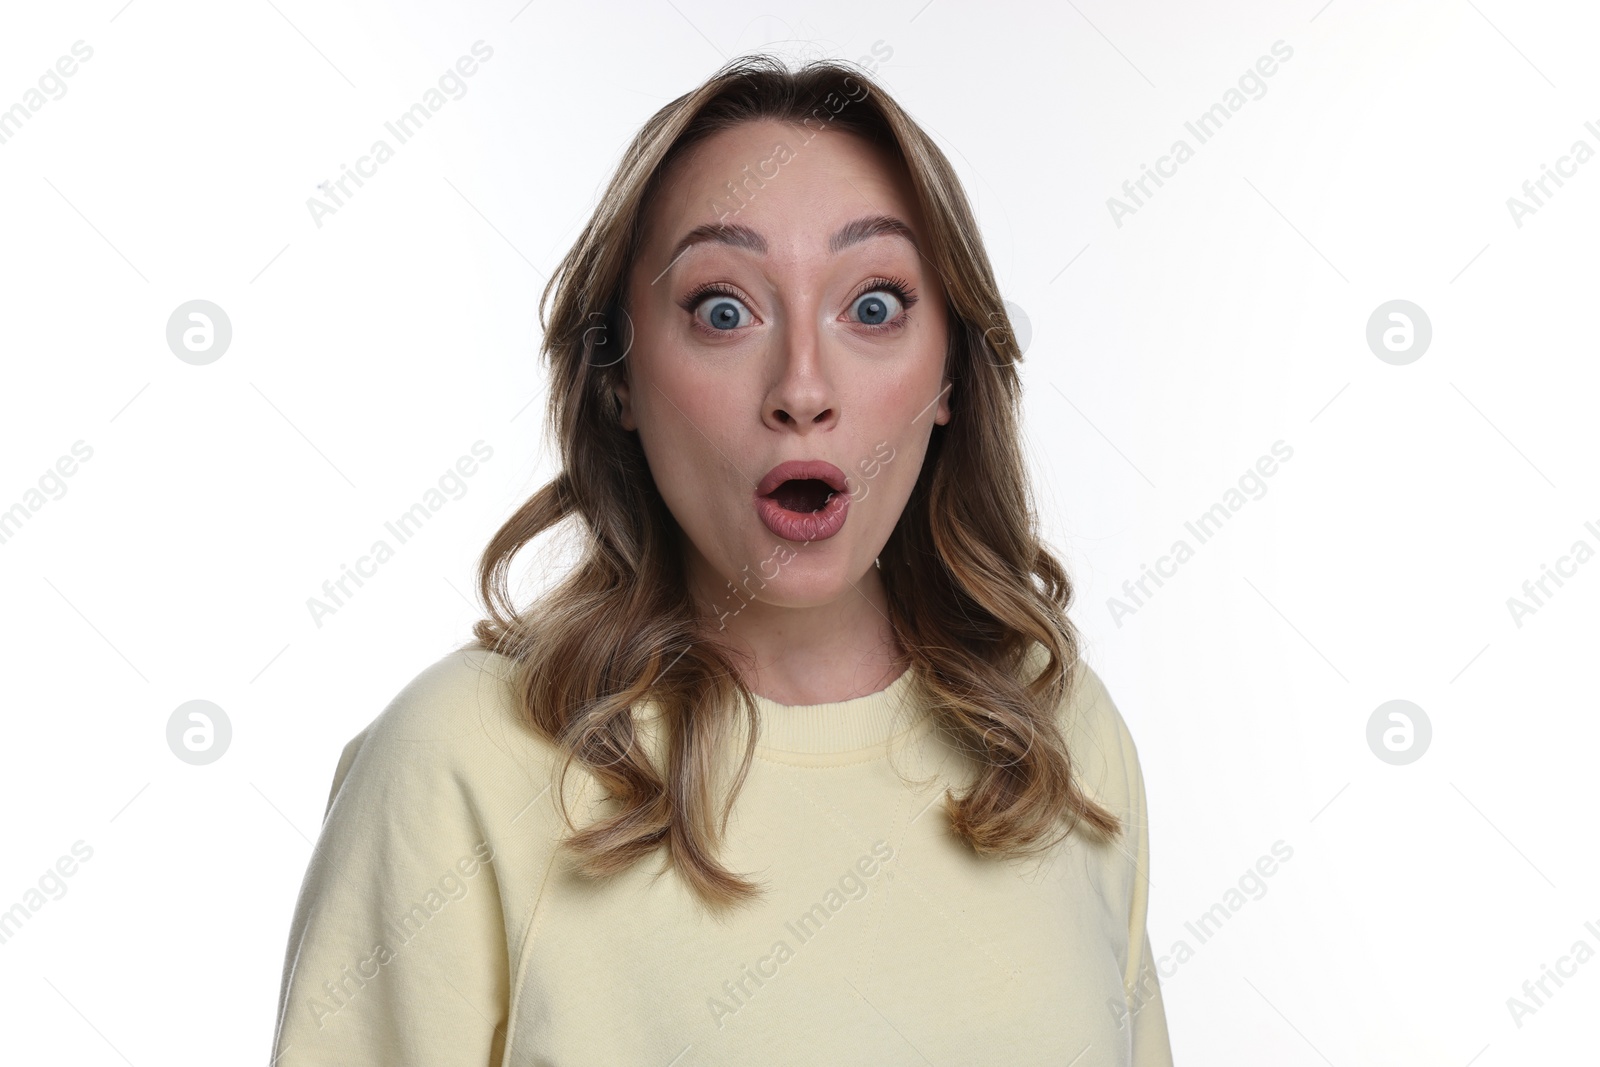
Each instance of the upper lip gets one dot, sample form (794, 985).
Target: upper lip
(801, 469)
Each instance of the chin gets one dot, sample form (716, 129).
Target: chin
(788, 587)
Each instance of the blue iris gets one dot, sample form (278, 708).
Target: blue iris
(873, 310)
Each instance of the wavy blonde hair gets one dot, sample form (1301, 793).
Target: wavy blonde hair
(971, 587)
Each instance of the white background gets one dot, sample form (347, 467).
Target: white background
(1168, 354)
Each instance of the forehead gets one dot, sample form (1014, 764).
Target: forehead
(792, 183)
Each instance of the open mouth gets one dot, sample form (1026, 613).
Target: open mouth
(802, 495)
(803, 500)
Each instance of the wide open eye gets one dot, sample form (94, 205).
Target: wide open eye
(877, 307)
(722, 311)
(883, 304)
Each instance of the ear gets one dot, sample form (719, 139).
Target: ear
(941, 415)
(624, 405)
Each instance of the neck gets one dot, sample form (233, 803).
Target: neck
(817, 653)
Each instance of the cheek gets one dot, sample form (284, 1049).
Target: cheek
(886, 466)
(694, 409)
(893, 455)
(686, 427)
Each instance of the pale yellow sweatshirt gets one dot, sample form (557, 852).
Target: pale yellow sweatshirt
(437, 925)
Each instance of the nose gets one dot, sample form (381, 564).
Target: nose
(802, 394)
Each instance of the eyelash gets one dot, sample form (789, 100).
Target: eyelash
(898, 286)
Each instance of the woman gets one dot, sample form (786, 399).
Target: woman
(799, 763)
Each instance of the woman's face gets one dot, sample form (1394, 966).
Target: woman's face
(806, 328)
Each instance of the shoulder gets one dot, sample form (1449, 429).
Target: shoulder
(456, 728)
(439, 824)
(461, 701)
(451, 697)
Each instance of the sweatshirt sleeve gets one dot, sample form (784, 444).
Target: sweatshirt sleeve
(398, 954)
(1151, 1044)
(1142, 985)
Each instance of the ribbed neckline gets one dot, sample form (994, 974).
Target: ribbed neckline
(838, 728)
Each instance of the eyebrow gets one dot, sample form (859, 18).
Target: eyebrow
(740, 236)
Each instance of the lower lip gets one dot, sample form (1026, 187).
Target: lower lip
(804, 525)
